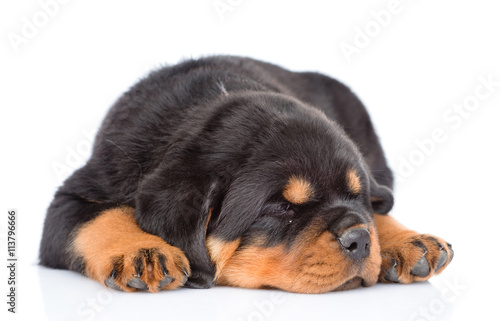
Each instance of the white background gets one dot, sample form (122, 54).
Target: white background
(416, 64)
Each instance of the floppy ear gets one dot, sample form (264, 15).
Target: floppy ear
(381, 197)
(241, 206)
(176, 205)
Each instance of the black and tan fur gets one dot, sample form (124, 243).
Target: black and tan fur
(227, 170)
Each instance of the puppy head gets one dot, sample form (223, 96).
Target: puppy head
(297, 214)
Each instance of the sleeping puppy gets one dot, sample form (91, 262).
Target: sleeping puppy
(232, 171)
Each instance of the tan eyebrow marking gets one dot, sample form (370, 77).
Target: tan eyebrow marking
(353, 181)
(298, 190)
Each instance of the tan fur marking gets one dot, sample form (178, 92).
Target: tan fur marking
(220, 251)
(353, 181)
(314, 264)
(298, 190)
(115, 233)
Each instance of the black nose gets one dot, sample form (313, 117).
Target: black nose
(356, 243)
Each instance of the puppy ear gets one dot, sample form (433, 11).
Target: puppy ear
(381, 197)
(177, 208)
(241, 206)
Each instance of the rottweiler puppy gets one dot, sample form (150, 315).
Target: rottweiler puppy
(231, 171)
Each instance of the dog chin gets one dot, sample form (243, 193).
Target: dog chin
(356, 282)
(353, 283)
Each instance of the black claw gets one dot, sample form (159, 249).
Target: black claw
(166, 281)
(443, 258)
(452, 253)
(392, 273)
(110, 283)
(117, 269)
(186, 276)
(422, 268)
(137, 283)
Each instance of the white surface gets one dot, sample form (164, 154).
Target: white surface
(431, 54)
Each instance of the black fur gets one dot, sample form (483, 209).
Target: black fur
(224, 133)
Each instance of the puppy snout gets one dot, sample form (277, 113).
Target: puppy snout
(356, 243)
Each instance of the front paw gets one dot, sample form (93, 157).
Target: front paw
(411, 257)
(148, 269)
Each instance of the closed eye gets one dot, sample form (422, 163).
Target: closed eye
(278, 209)
(281, 209)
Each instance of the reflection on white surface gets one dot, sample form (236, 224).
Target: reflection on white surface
(70, 296)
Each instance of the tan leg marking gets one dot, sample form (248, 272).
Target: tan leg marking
(113, 243)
